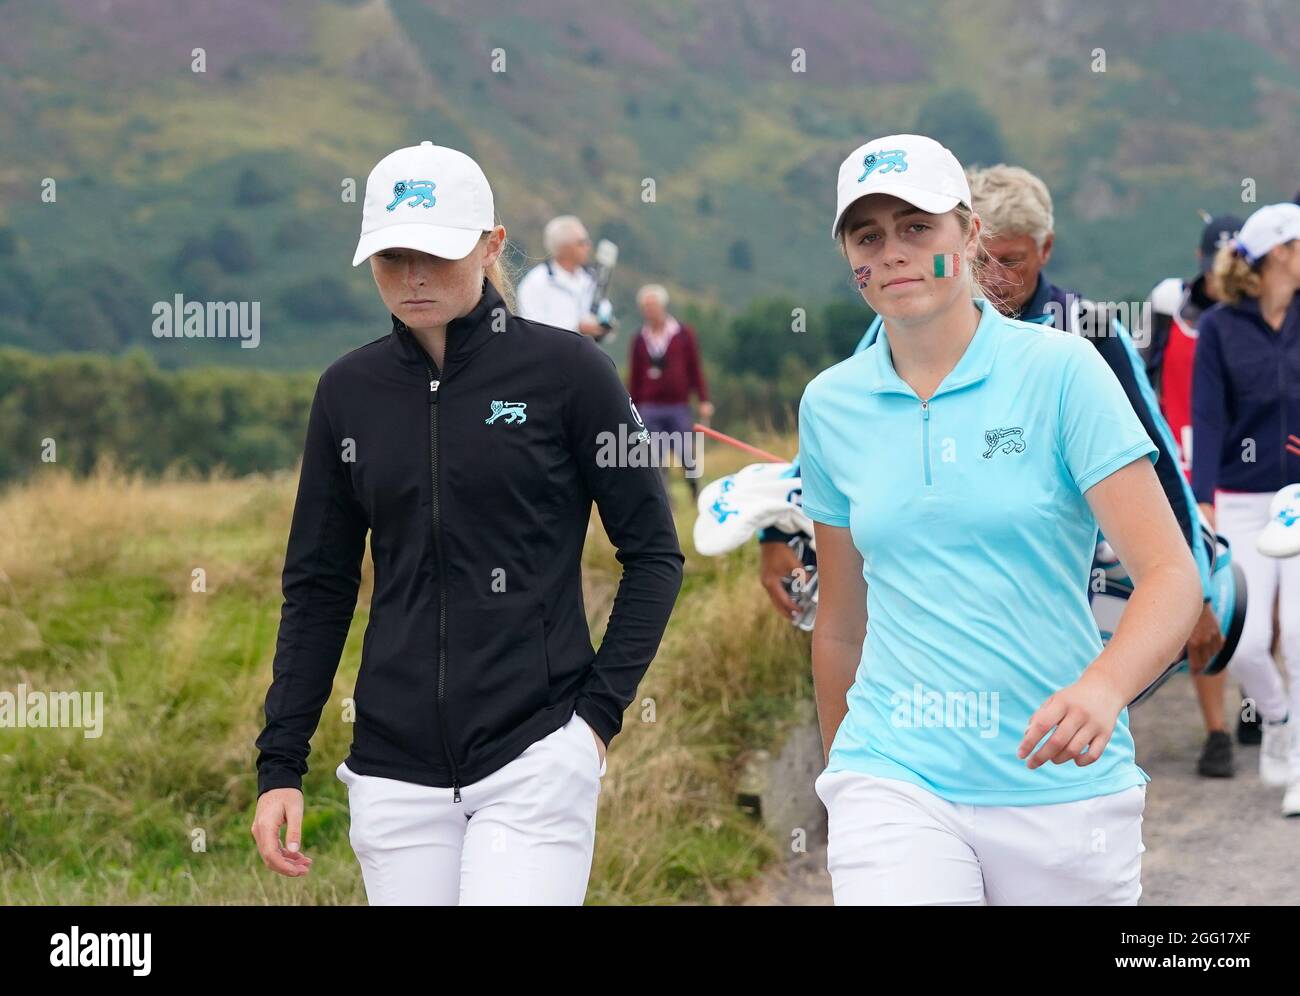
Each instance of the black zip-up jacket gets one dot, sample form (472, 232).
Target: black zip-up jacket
(475, 483)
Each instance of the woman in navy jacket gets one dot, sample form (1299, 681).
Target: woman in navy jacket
(1245, 406)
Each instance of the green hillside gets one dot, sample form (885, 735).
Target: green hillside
(227, 184)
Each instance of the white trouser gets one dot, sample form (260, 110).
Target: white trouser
(893, 843)
(1240, 517)
(521, 836)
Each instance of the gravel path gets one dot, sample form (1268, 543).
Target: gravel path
(1209, 841)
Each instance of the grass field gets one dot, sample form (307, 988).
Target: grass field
(164, 596)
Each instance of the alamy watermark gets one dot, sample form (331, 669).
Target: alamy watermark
(927, 708)
(181, 319)
(32, 709)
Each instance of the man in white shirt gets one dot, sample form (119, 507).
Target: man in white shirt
(560, 290)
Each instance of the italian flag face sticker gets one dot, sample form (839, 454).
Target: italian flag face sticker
(945, 264)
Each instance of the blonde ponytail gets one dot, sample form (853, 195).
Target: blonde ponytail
(1236, 277)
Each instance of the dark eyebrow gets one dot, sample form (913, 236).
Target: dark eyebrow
(901, 213)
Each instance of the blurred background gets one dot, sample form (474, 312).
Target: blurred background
(177, 455)
(227, 184)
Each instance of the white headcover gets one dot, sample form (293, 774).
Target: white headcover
(1281, 537)
(733, 508)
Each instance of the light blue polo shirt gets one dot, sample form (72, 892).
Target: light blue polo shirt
(976, 542)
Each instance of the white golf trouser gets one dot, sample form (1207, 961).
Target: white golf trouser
(523, 835)
(1240, 516)
(893, 843)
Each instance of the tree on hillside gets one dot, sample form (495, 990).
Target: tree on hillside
(232, 249)
(955, 118)
(255, 187)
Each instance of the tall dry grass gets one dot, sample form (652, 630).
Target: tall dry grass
(97, 594)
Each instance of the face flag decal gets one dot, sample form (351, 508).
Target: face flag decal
(862, 274)
(945, 264)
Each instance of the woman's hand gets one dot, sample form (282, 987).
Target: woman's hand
(1084, 715)
(275, 808)
(1206, 640)
(779, 562)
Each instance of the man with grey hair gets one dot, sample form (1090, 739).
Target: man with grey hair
(559, 291)
(664, 370)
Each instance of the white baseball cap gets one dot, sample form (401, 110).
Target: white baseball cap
(1267, 228)
(913, 167)
(426, 197)
(1281, 537)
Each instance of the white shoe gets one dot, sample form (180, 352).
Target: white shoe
(1273, 750)
(1291, 801)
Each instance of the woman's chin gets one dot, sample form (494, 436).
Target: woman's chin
(910, 304)
(423, 315)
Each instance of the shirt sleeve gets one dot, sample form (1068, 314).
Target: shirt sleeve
(530, 297)
(822, 500)
(322, 573)
(634, 510)
(1098, 430)
(1209, 409)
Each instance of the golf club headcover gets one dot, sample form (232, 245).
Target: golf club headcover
(1281, 537)
(733, 508)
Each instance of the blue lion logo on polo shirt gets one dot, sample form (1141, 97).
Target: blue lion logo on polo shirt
(418, 192)
(1004, 441)
(891, 161)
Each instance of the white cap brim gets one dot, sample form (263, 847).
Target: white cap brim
(926, 200)
(436, 240)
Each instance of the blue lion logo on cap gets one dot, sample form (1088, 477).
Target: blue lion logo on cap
(892, 161)
(416, 191)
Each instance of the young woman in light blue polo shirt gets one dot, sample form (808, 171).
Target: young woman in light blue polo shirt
(957, 471)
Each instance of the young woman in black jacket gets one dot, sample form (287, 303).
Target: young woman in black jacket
(469, 444)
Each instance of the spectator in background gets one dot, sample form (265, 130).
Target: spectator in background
(1176, 306)
(665, 370)
(559, 291)
(1245, 400)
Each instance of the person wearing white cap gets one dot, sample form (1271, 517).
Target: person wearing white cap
(468, 445)
(957, 470)
(1245, 405)
(560, 290)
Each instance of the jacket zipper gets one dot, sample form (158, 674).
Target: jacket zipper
(925, 440)
(434, 383)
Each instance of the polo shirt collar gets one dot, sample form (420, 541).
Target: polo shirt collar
(974, 366)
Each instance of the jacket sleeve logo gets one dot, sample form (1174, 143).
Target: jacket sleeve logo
(418, 192)
(643, 436)
(510, 411)
(1004, 440)
(891, 161)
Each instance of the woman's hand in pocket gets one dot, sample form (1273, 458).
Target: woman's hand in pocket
(277, 808)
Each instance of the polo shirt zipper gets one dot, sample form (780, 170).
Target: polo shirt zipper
(925, 440)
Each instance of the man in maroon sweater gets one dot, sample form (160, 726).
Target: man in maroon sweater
(665, 369)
